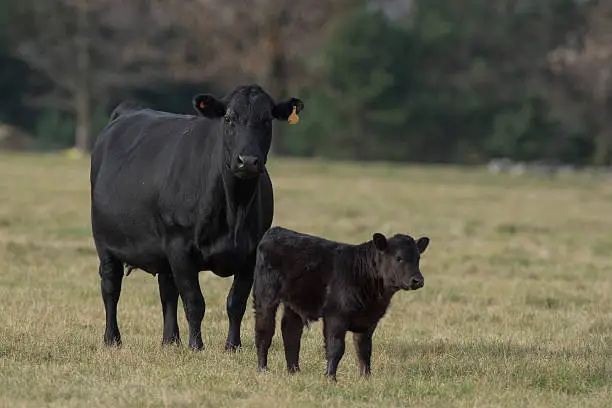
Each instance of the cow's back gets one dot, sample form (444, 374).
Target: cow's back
(136, 142)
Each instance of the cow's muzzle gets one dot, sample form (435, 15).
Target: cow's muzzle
(247, 166)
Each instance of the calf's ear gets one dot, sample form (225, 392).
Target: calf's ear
(380, 242)
(422, 244)
(284, 109)
(209, 106)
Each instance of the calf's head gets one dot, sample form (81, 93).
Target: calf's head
(399, 260)
(246, 116)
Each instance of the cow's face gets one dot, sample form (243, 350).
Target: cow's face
(400, 259)
(246, 116)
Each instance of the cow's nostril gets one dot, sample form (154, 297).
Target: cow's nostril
(249, 161)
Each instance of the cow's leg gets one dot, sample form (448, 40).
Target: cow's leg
(111, 275)
(186, 281)
(363, 346)
(168, 294)
(335, 332)
(324, 340)
(265, 323)
(236, 305)
(292, 328)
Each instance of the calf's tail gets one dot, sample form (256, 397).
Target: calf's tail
(267, 284)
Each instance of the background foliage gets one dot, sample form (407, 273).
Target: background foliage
(422, 81)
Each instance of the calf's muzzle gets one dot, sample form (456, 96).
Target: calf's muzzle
(416, 282)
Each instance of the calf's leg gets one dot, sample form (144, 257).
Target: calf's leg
(335, 332)
(292, 328)
(169, 294)
(265, 322)
(111, 275)
(236, 306)
(363, 346)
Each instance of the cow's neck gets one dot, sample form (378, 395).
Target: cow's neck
(239, 197)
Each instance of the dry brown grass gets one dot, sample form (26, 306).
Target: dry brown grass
(516, 310)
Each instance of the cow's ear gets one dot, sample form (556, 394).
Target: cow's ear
(284, 109)
(422, 244)
(209, 106)
(380, 242)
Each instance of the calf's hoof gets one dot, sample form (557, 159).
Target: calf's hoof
(196, 346)
(365, 374)
(112, 341)
(331, 377)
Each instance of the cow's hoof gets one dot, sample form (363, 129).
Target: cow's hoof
(293, 369)
(172, 341)
(262, 369)
(232, 347)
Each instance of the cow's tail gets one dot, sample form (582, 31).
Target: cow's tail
(123, 107)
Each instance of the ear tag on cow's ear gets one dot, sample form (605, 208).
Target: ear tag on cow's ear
(293, 118)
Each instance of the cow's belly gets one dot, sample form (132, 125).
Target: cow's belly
(132, 240)
(224, 256)
(229, 262)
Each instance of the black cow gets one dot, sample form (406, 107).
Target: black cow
(350, 286)
(177, 194)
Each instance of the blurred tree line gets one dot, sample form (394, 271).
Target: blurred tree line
(404, 80)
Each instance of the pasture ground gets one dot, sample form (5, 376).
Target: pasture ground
(516, 310)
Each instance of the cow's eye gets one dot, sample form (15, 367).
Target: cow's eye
(398, 258)
(229, 120)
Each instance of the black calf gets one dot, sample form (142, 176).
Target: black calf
(349, 286)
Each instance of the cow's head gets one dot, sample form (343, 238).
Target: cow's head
(400, 256)
(246, 115)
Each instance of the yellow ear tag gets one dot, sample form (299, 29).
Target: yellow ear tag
(293, 118)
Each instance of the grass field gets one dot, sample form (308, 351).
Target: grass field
(516, 310)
